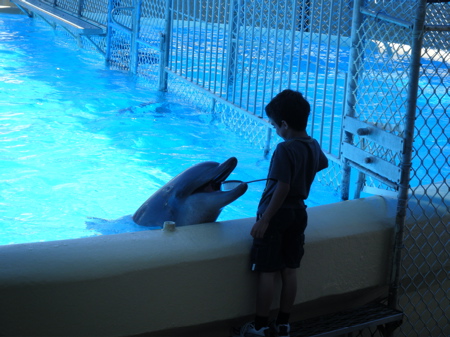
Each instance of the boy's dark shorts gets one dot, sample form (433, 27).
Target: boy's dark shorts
(282, 245)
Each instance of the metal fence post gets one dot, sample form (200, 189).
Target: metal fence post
(135, 28)
(414, 75)
(108, 34)
(80, 8)
(165, 41)
(305, 16)
(232, 47)
(351, 91)
(268, 140)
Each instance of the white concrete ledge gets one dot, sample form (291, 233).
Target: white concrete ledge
(135, 283)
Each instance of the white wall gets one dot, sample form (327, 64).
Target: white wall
(134, 283)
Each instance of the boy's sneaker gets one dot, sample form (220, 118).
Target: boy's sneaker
(283, 330)
(248, 330)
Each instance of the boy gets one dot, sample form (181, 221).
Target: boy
(278, 234)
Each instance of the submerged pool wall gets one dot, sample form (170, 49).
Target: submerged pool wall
(156, 281)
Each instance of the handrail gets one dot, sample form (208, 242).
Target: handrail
(117, 23)
(65, 19)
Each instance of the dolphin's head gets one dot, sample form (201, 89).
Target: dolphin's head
(192, 197)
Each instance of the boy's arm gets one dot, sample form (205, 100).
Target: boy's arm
(280, 193)
(323, 161)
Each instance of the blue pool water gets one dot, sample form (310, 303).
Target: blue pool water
(78, 141)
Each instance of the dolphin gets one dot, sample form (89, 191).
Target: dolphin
(192, 197)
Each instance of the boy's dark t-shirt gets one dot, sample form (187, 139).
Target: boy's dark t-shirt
(295, 162)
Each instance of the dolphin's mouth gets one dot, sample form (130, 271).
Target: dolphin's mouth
(208, 188)
(214, 185)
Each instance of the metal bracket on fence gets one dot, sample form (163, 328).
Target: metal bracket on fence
(437, 28)
(366, 160)
(373, 133)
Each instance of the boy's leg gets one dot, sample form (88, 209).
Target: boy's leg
(288, 290)
(287, 298)
(293, 242)
(264, 297)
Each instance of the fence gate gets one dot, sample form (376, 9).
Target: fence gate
(399, 48)
(381, 94)
(135, 33)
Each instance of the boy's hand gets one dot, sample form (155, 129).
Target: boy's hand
(259, 228)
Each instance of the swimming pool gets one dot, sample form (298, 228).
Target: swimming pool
(81, 141)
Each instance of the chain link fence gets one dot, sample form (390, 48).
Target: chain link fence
(375, 76)
(399, 88)
(425, 281)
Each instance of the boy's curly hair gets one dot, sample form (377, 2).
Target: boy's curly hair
(290, 106)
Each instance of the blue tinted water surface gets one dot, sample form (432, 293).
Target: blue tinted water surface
(78, 140)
